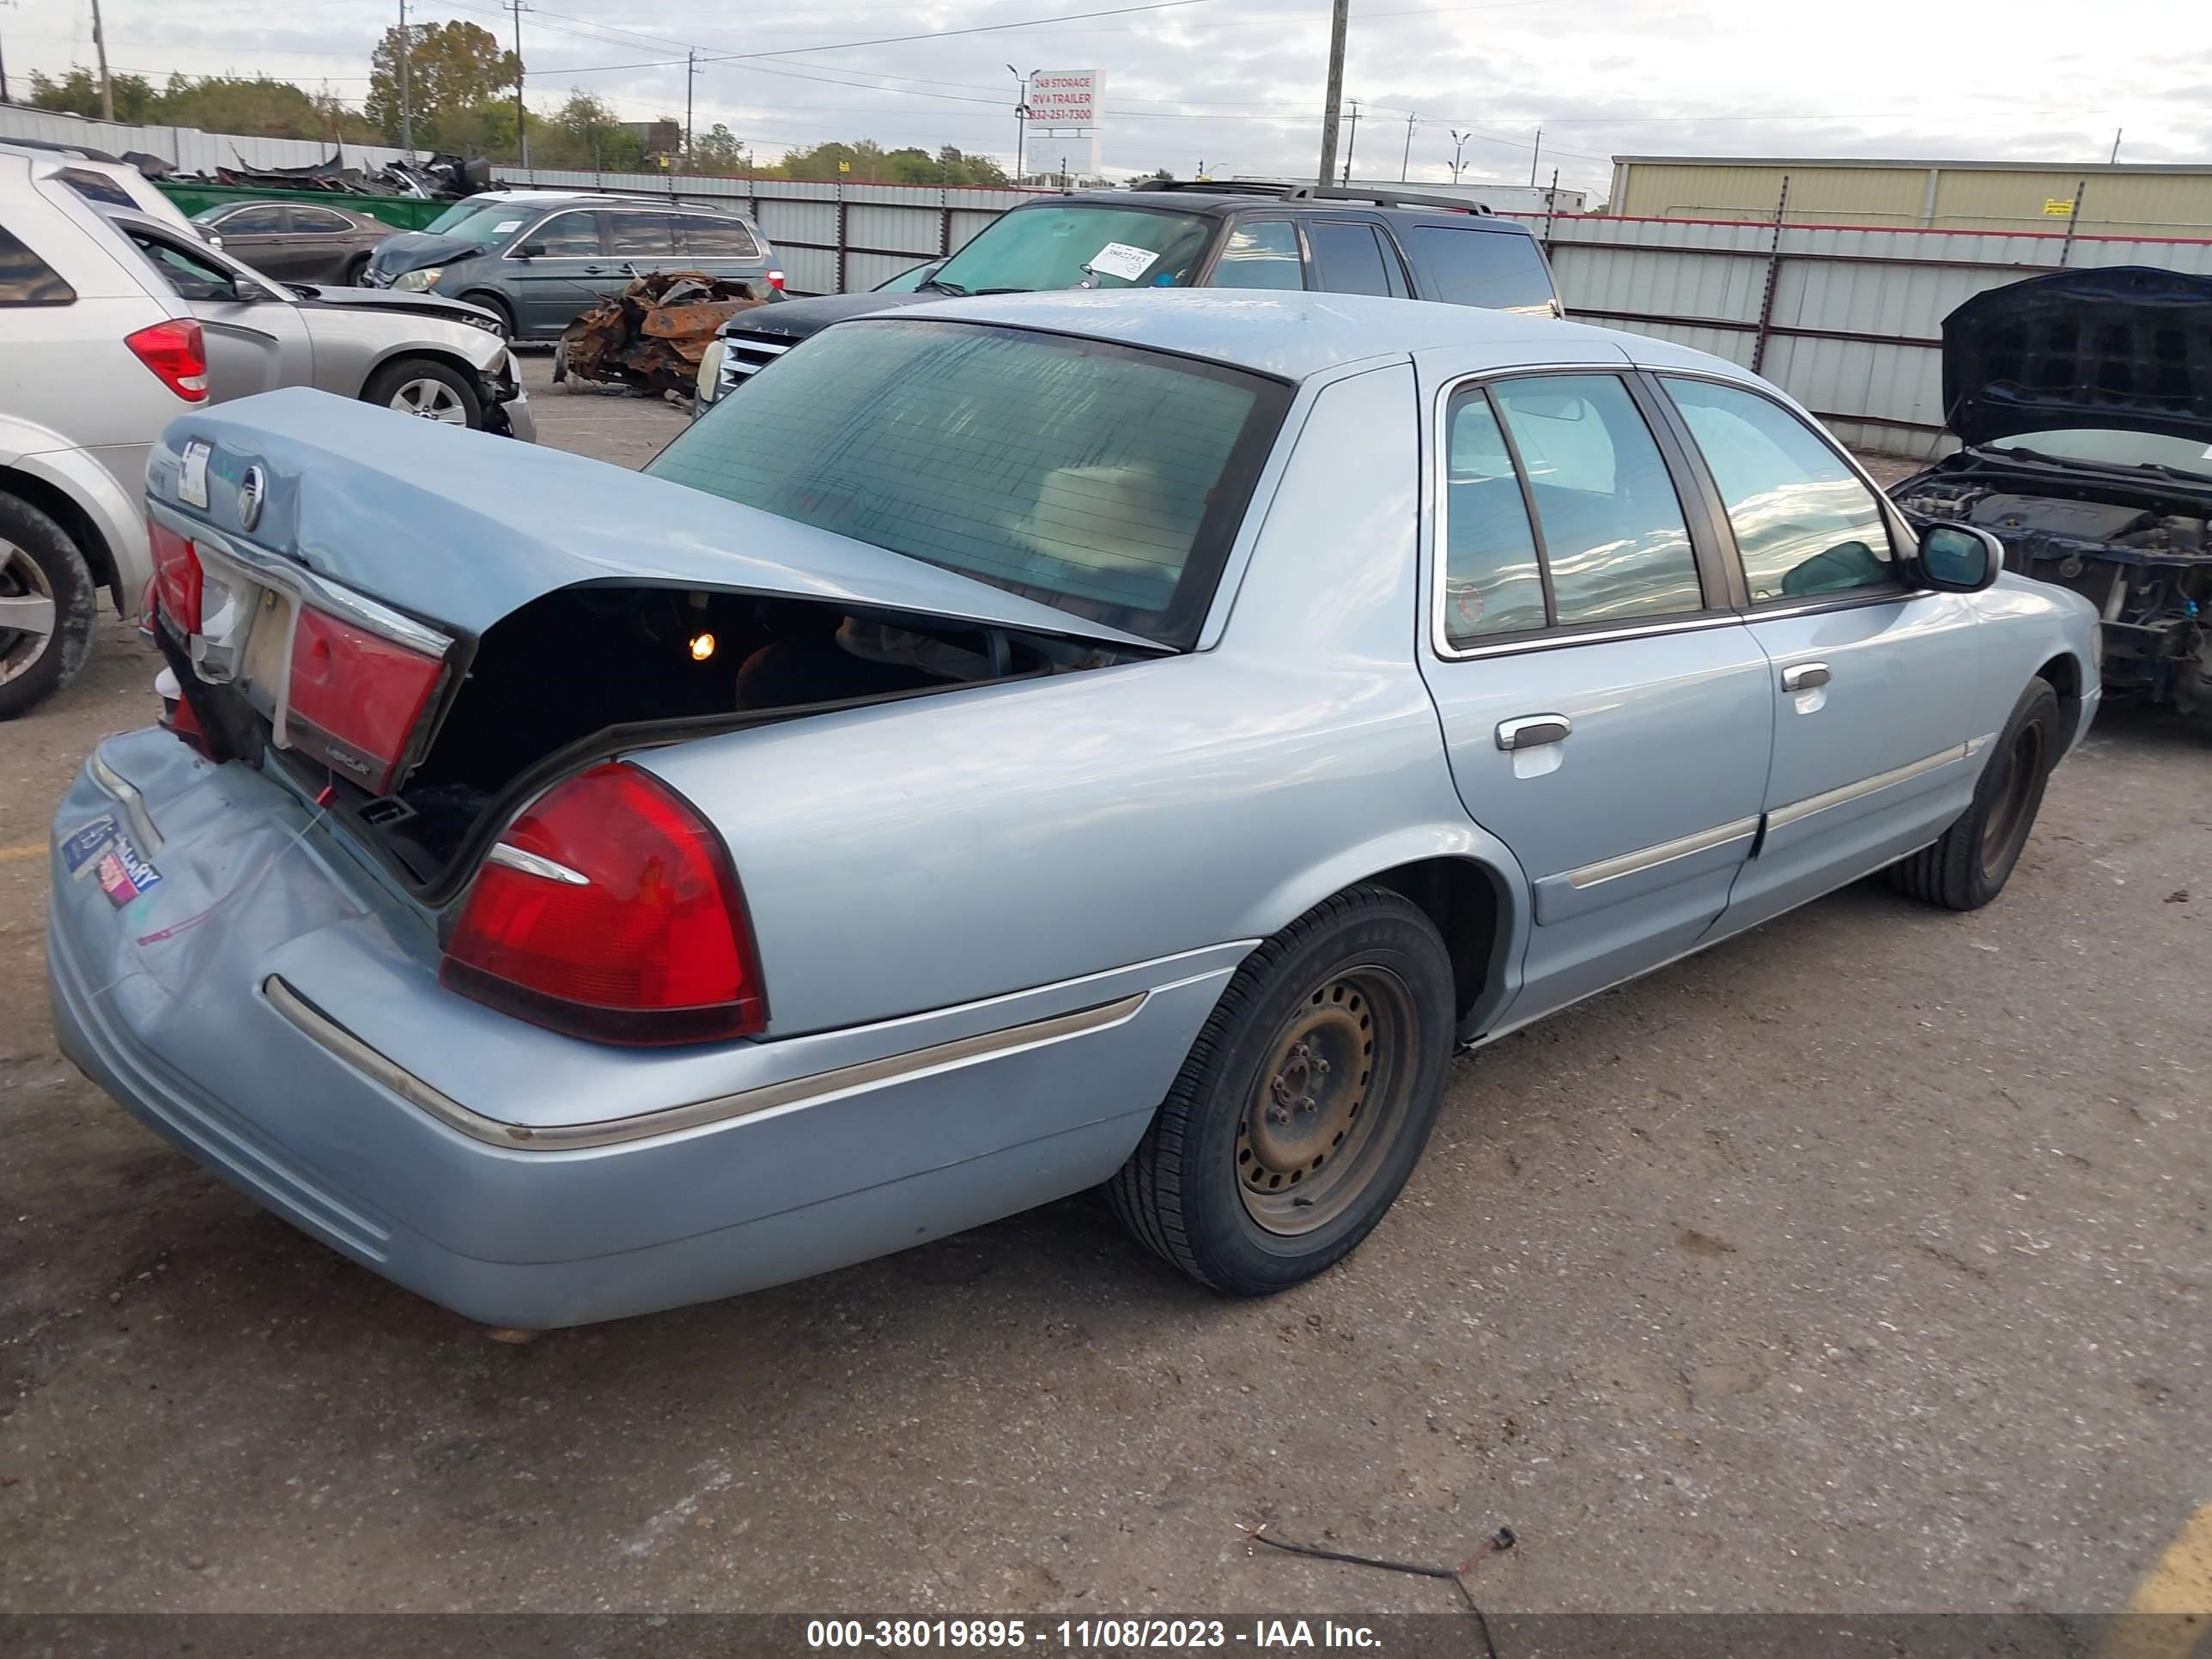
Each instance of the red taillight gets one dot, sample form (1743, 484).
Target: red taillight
(608, 910)
(177, 579)
(354, 698)
(175, 352)
(775, 281)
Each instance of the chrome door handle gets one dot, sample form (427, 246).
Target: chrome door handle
(1531, 730)
(1804, 677)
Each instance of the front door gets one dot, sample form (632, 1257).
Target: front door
(557, 269)
(1871, 681)
(1606, 714)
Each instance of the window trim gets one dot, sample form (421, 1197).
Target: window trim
(1723, 529)
(1555, 635)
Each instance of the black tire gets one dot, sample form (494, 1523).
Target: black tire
(499, 308)
(1196, 1193)
(415, 377)
(1969, 865)
(39, 561)
(560, 362)
(356, 268)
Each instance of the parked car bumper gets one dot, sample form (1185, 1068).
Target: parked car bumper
(185, 1005)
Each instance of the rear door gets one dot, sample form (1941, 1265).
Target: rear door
(1871, 681)
(640, 243)
(318, 243)
(1605, 710)
(1260, 253)
(559, 267)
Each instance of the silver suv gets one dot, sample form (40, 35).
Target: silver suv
(112, 322)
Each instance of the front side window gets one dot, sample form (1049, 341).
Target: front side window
(1103, 480)
(1804, 523)
(1607, 544)
(1260, 253)
(1072, 246)
(265, 221)
(27, 280)
(568, 235)
(1501, 270)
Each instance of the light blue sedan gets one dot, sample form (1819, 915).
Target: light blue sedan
(1053, 741)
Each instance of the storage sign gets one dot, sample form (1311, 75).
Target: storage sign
(1064, 98)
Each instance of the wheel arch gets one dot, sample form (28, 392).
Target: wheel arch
(2062, 673)
(78, 524)
(427, 351)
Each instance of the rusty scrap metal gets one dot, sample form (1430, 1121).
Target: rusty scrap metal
(652, 334)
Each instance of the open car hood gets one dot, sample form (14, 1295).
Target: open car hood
(2125, 347)
(459, 528)
(401, 304)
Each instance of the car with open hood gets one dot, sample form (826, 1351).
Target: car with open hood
(2082, 400)
(112, 321)
(1062, 739)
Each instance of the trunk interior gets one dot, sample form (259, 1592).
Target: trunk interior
(586, 670)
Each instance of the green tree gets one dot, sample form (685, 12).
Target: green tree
(584, 133)
(77, 93)
(456, 71)
(718, 152)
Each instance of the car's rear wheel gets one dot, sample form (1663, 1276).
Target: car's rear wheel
(1304, 1105)
(1969, 865)
(47, 606)
(431, 391)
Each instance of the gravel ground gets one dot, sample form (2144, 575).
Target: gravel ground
(1859, 1263)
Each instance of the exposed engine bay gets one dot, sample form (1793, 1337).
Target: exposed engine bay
(2136, 551)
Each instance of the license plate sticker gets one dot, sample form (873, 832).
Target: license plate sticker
(86, 844)
(124, 873)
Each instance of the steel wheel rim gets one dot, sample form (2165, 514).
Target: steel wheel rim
(431, 400)
(2006, 828)
(1317, 1123)
(27, 613)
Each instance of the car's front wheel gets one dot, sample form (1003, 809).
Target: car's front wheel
(1969, 865)
(1304, 1105)
(47, 603)
(433, 392)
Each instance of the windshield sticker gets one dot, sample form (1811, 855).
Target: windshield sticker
(191, 478)
(1120, 260)
(506, 225)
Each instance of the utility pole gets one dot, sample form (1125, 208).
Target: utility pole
(406, 115)
(691, 74)
(521, 114)
(106, 86)
(1405, 164)
(5, 5)
(1350, 144)
(1332, 101)
(1021, 117)
(1459, 147)
(1532, 155)
(2115, 161)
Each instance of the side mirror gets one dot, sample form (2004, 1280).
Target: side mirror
(1957, 558)
(531, 251)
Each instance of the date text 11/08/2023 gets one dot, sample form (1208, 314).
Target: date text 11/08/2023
(1009, 1636)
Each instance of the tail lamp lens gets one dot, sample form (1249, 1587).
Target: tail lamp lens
(177, 353)
(609, 911)
(177, 577)
(356, 698)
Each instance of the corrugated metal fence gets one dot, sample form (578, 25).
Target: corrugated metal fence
(1847, 321)
(187, 149)
(831, 238)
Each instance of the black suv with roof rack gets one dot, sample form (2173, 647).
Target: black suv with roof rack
(1183, 234)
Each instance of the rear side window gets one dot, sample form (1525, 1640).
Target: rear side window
(1260, 253)
(254, 222)
(27, 280)
(321, 221)
(716, 239)
(640, 234)
(1499, 269)
(1350, 258)
(1103, 480)
(1804, 523)
(1609, 543)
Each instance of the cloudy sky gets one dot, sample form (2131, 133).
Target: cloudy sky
(1236, 84)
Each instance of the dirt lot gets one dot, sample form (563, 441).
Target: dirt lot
(1860, 1263)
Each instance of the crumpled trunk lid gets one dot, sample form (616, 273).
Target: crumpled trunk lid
(2125, 347)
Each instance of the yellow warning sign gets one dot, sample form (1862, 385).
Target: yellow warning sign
(2058, 210)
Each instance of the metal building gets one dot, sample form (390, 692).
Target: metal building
(2097, 199)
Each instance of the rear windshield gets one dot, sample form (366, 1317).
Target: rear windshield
(1100, 479)
(1079, 246)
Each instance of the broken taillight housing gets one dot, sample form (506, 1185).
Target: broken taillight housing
(177, 353)
(610, 910)
(354, 697)
(177, 576)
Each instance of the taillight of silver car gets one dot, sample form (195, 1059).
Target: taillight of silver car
(610, 910)
(177, 353)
